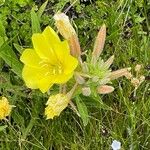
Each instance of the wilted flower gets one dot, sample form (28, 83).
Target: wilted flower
(49, 62)
(116, 145)
(5, 108)
(136, 78)
(135, 82)
(55, 105)
(67, 31)
(128, 75)
(141, 78)
(138, 67)
(64, 26)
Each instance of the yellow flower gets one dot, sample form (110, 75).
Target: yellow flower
(5, 108)
(49, 62)
(56, 104)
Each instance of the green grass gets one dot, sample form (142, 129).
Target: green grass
(128, 120)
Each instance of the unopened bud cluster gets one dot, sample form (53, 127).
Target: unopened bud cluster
(136, 78)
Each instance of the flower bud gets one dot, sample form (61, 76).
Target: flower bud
(118, 73)
(85, 67)
(99, 44)
(86, 91)
(79, 79)
(104, 81)
(95, 79)
(105, 89)
(67, 31)
(109, 61)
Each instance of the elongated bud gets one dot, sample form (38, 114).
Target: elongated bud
(67, 31)
(109, 61)
(74, 46)
(105, 89)
(95, 79)
(118, 73)
(104, 81)
(79, 79)
(99, 44)
(85, 67)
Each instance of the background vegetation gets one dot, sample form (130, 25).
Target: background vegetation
(119, 115)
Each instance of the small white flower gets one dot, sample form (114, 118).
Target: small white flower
(116, 145)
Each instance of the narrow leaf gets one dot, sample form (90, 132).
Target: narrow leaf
(9, 56)
(82, 110)
(35, 23)
(118, 73)
(41, 9)
(18, 48)
(2, 29)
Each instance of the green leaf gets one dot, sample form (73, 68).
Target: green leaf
(82, 110)
(18, 48)
(35, 22)
(9, 56)
(41, 9)
(2, 29)
(2, 128)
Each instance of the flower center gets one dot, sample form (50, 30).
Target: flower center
(57, 69)
(53, 69)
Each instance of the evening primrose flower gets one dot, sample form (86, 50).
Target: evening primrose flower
(55, 105)
(5, 108)
(48, 62)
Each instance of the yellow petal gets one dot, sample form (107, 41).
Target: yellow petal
(30, 58)
(32, 75)
(51, 36)
(45, 84)
(70, 63)
(62, 50)
(63, 78)
(43, 48)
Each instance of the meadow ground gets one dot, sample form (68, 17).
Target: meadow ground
(122, 115)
